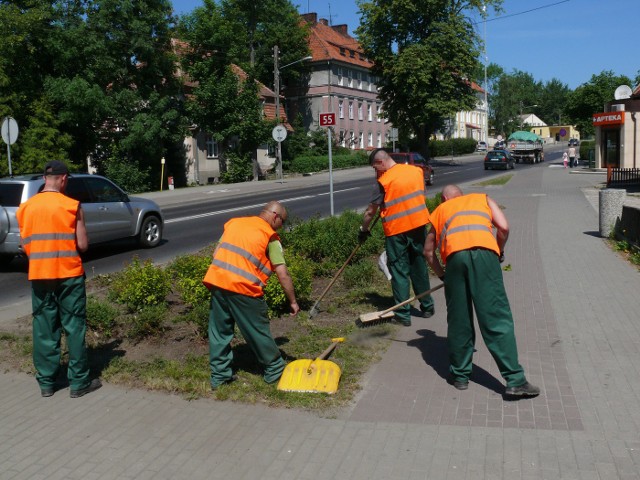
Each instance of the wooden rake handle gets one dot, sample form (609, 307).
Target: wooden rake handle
(326, 353)
(410, 300)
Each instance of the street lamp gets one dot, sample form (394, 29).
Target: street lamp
(522, 107)
(276, 82)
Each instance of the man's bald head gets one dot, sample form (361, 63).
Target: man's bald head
(451, 191)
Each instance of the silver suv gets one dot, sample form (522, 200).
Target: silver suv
(110, 214)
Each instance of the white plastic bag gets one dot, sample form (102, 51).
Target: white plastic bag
(382, 265)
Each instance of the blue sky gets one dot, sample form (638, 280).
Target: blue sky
(565, 39)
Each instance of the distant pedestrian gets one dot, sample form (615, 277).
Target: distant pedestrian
(565, 159)
(246, 256)
(53, 233)
(572, 156)
(400, 195)
(462, 229)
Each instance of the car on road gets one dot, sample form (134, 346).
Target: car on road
(110, 214)
(499, 145)
(498, 159)
(481, 147)
(573, 142)
(414, 158)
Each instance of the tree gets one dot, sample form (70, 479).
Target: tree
(552, 101)
(590, 97)
(515, 94)
(425, 53)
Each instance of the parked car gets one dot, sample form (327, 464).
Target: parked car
(481, 147)
(573, 142)
(498, 159)
(110, 214)
(414, 158)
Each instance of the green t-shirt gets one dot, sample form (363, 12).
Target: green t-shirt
(275, 253)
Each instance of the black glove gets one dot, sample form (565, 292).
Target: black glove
(363, 235)
(501, 257)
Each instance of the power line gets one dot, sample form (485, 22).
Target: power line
(502, 17)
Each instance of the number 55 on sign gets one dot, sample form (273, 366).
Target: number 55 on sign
(327, 119)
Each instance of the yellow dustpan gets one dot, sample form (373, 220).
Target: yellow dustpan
(317, 375)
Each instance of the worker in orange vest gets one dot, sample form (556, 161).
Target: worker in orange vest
(400, 195)
(53, 233)
(462, 229)
(246, 256)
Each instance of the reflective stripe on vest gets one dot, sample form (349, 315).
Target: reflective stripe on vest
(240, 263)
(404, 205)
(464, 223)
(48, 230)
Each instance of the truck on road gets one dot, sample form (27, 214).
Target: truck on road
(526, 147)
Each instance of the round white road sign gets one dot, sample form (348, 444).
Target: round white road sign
(279, 133)
(9, 130)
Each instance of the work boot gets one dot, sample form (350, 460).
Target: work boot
(525, 390)
(92, 387)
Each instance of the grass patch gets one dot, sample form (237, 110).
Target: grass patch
(501, 180)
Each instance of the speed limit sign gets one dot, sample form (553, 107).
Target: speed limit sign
(327, 119)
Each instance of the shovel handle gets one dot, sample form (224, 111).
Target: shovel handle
(410, 300)
(330, 348)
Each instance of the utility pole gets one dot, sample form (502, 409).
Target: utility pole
(276, 83)
(486, 100)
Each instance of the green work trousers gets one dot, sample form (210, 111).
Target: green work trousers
(250, 314)
(407, 266)
(60, 304)
(473, 279)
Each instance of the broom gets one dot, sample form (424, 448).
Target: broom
(367, 319)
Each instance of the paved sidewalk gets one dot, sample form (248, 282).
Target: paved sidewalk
(576, 307)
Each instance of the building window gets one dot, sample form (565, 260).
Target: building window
(352, 140)
(343, 138)
(212, 148)
(342, 51)
(360, 114)
(370, 81)
(350, 81)
(369, 112)
(359, 80)
(361, 140)
(370, 139)
(340, 78)
(379, 142)
(341, 108)
(378, 113)
(350, 110)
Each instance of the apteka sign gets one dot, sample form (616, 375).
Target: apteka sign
(608, 118)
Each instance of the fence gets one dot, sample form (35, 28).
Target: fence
(622, 177)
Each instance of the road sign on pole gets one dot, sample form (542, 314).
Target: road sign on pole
(327, 119)
(9, 135)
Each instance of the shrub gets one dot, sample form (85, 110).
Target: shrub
(239, 169)
(360, 274)
(101, 316)
(308, 164)
(454, 146)
(301, 271)
(146, 322)
(140, 285)
(432, 203)
(188, 272)
(198, 315)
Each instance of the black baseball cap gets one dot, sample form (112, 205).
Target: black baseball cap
(55, 167)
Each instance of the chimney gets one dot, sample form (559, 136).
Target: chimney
(324, 21)
(341, 29)
(310, 18)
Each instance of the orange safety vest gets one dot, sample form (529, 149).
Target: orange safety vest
(48, 230)
(240, 263)
(463, 223)
(404, 205)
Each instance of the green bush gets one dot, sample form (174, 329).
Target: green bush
(140, 285)
(188, 272)
(198, 315)
(309, 164)
(329, 242)
(301, 271)
(101, 316)
(131, 177)
(239, 168)
(360, 274)
(146, 322)
(432, 203)
(454, 146)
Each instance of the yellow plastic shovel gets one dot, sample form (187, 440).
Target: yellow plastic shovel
(317, 375)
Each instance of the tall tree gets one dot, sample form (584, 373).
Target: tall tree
(590, 97)
(515, 94)
(425, 53)
(552, 101)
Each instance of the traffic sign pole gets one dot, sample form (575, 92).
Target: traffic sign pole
(329, 120)
(9, 131)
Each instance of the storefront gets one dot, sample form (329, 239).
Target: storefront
(617, 138)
